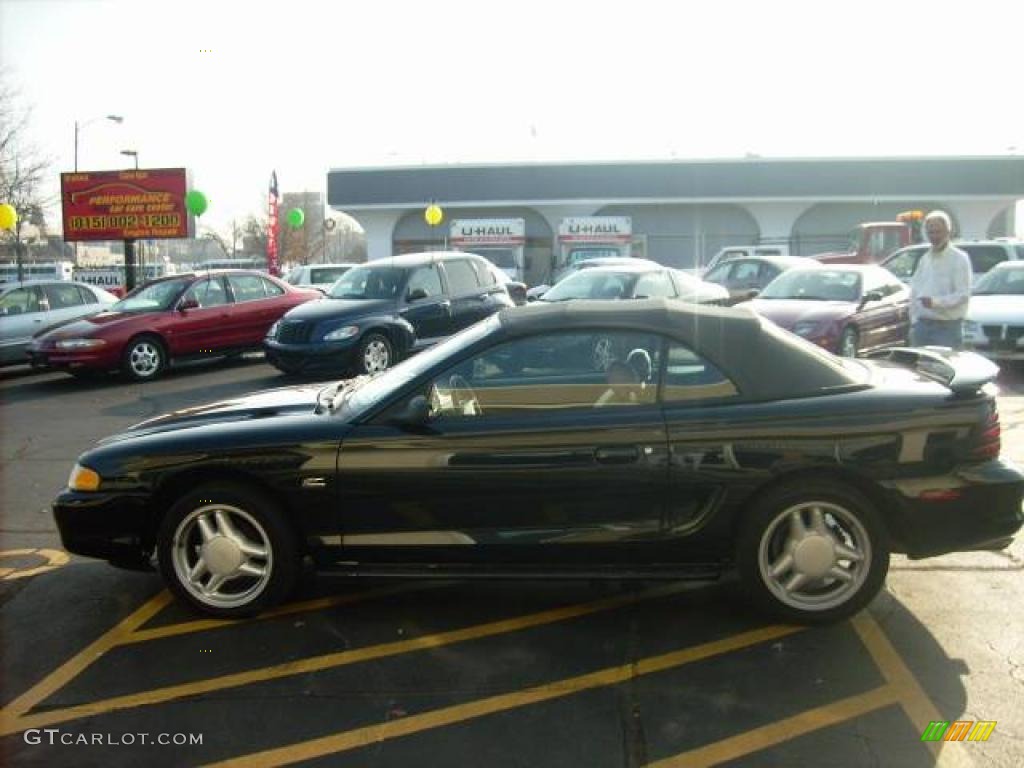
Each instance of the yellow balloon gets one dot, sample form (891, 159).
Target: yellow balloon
(8, 216)
(434, 215)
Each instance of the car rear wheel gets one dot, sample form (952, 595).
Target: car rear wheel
(849, 343)
(375, 354)
(227, 551)
(812, 553)
(144, 358)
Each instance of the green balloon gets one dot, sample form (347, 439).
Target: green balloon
(296, 217)
(195, 202)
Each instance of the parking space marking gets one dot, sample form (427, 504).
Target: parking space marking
(54, 558)
(379, 732)
(302, 666)
(915, 702)
(10, 715)
(307, 606)
(781, 731)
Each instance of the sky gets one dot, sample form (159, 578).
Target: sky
(233, 90)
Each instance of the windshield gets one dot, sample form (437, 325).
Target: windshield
(1004, 282)
(593, 284)
(387, 383)
(577, 255)
(153, 297)
(500, 257)
(814, 285)
(370, 283)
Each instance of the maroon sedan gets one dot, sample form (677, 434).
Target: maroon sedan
(847, 309)
(220, 312)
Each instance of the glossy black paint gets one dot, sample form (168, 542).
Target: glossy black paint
(649, 489)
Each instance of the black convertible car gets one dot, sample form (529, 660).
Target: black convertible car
(717, 441)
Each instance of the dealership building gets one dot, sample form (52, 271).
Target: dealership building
(681, 212)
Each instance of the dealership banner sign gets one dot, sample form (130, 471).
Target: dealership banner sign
(125, 205)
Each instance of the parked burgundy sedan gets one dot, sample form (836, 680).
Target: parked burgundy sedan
(847, 309)
(220, 312)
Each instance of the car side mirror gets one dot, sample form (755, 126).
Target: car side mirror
(753, 293)
(417, 294)
(188, 304)
(871, 296)
(416, 413)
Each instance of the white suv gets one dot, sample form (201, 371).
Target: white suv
(984, 255)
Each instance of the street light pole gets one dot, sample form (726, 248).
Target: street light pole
(80, 125)
(132, 153)
(78, 128)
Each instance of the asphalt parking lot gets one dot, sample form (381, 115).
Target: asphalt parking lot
(99, 666)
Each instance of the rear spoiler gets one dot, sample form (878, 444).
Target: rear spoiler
(963, 372)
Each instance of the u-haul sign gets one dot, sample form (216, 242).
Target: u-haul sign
(488, 232)
(596, 229)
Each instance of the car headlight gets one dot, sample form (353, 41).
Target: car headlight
(80, 343)
(340, 334)
(272, 331)
(806, 329)
(83, 479)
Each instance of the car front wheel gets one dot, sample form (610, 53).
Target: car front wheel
(849, 343)
(375, 354)
(812, 553)
(144, 358)
(227, 551)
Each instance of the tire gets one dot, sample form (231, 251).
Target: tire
(244, 530)
(375, 354)
(768, 537)
(144, 358)
(849, 342)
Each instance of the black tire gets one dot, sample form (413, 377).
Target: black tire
(849, 342)
(144, 358)
(767, 538)
(376, 354)
(254, 521)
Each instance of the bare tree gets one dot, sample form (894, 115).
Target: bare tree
(23, 169)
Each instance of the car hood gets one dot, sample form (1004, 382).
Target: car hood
(282, 402)
(332, 309)
(87, 326)
(789, 312)
(996, 309)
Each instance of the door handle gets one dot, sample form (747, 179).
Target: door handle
(446, 304)
(626, 455)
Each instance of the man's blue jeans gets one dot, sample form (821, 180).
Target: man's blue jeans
(937, 333)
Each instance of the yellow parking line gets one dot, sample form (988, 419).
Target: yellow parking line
(328, 661)
(914, 700)
(55, 558)
(308, 606)
(10, 715)
(378, 732)
(769, 735)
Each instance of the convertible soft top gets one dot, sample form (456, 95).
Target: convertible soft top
(765, 361)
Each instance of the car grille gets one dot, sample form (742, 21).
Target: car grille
(295, 332)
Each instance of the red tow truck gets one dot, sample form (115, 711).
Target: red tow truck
(872, 241)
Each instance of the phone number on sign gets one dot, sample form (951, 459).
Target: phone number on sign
(126, 221)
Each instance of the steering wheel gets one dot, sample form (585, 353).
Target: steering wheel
(463, 394)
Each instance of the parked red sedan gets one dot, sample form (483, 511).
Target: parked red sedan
(847, 309)
(220, 312)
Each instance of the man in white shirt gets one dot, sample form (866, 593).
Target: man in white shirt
(940, 289)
